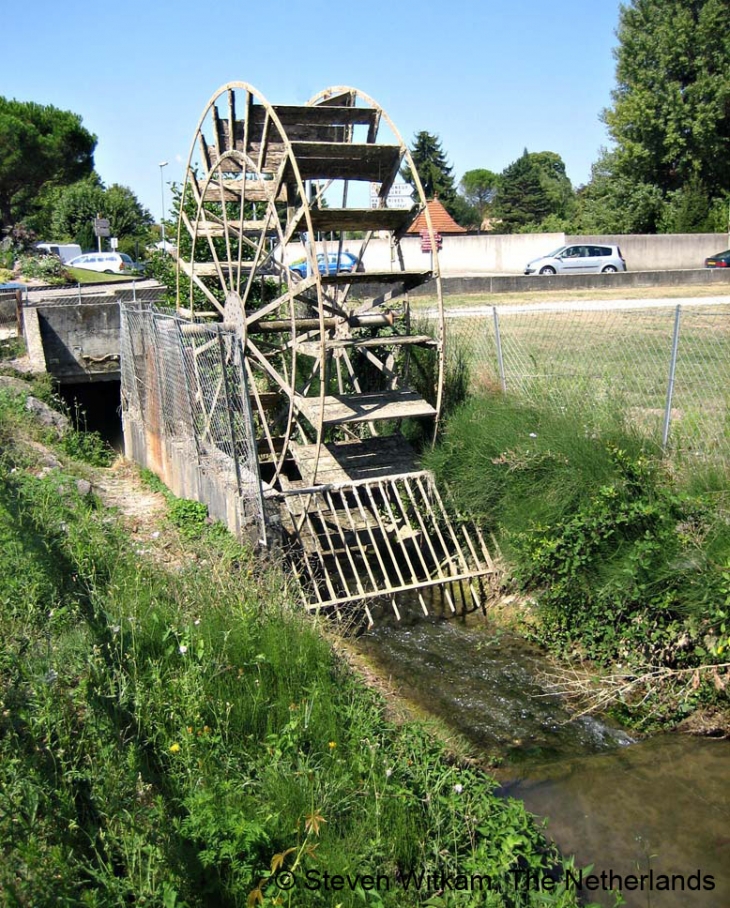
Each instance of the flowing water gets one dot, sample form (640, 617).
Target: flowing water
(629, 808)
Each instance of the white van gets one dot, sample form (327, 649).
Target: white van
(65, 251)
(108, 262)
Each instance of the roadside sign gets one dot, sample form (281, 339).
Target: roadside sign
(102, 227)
(400, 195)
(113, 242)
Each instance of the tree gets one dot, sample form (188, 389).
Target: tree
(478, 189)
(670, 117)
(74, 211)
(129, 220)
(613, 202)
(521, 200)
(40, 148)
(554, 180)
(76, 206)
(433, 169)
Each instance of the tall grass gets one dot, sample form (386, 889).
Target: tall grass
(514, 463)
(183, 736)
(626, 561)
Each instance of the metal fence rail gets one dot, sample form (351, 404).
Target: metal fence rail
(667, 368)
(184, 384)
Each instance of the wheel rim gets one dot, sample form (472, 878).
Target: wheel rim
(243, 201)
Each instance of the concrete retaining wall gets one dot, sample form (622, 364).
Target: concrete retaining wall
(75, 342)
(514, 283)
(505, 254)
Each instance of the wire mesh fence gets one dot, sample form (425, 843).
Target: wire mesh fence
(187, 414)
(666, 367)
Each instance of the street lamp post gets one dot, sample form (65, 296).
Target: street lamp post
(162, 193)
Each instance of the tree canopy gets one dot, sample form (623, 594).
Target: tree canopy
(41, 148)
(521, 200)
(433, 169)
(478, 189)
(670, 120)
(76, 207)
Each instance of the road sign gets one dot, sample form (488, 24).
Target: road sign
(400, 195)
(101, 227)
(113, 242)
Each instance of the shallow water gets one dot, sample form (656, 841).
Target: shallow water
(662, 804)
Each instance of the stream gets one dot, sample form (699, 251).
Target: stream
(627, 807)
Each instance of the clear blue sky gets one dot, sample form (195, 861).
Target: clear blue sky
(489, 77)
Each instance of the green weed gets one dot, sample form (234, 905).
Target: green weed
(184, 737)
(627, 563)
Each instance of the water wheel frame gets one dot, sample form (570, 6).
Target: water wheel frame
(244, 202)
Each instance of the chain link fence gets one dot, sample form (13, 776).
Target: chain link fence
(187, 414)
(667, 368)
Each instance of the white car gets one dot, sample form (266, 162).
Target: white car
(108, 262)
(579, 258)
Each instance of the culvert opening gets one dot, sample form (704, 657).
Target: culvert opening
(96, 407)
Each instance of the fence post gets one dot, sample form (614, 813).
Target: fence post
(498, 339)
(670, 383)
(227, 401)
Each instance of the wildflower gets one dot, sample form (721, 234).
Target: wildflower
(388, 773)
(533, 434)
(206, 729)
(190, 729)
(175, 748)
(458, 788)
(116, 628)
(332, 745)
(183, 649)
(196, 622)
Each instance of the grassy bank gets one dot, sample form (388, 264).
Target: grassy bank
(173, 732)
(628, 564)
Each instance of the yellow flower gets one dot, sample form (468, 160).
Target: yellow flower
(332, 745)
(174, 748)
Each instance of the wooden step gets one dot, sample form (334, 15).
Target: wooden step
(409, 279)
(300, 123)
(312, 348)
(235, 228)
(371, 407)
(210, 269)
(346, 461)
(345, 161)
(253, 191)
(326, 219)
(383, 340)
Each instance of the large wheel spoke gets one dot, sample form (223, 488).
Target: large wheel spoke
(259, 179)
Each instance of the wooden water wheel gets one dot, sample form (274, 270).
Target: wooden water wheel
(273, 233)
(328, 345)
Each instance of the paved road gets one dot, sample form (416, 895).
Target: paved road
(583, 305)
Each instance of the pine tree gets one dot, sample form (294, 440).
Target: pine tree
(521, 198)
(433, 169)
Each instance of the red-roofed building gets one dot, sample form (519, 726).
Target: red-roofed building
(442, 221)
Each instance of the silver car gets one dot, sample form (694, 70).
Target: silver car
(580, 258)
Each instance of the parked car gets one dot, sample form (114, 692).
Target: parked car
(581, 258)
(346, 264)
(721, 260)
(108, 262)
(64, 251)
